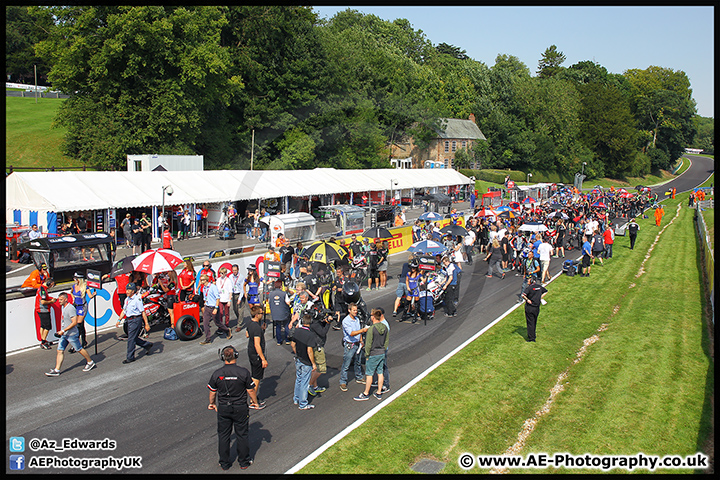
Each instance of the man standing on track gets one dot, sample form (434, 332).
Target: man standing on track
(230, 385)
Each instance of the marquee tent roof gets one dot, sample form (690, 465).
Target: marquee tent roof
(72, 191)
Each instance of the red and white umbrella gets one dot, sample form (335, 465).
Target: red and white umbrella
(157, 260)
(486, 212)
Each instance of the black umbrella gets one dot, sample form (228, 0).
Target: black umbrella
(122, 266)
(556, 206)
(377, 232)
(454, 230)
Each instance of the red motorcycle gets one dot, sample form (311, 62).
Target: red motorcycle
(187, 314)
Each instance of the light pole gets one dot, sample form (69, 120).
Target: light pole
(392, 182)
(169, 190)
(582, 172)
(252, 149)
(527, 180)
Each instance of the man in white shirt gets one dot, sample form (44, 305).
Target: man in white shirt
(34, 232)
(545, 250)
(469, 242)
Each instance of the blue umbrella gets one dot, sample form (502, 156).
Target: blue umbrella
(432, 216)
(426, 246)
(503, 208)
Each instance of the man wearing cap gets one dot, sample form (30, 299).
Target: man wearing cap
(37, 278)
(271, 255)
(134, 312)
(211, 296)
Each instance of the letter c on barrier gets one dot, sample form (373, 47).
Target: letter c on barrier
(104, 294)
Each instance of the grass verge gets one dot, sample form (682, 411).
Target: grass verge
(644, 385)
(29, 139)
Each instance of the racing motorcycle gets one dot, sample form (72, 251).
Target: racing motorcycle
(358, 269)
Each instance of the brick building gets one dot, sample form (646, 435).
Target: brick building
(455, 134)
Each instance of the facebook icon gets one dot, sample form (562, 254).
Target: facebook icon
(17, 462)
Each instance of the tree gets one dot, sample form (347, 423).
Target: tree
(452, 50)
(661, 100)
(24, 27)
(463, 158)
(608, 128)
(140, 79)
(550, 62)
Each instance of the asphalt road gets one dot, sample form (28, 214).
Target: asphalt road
(156, 408)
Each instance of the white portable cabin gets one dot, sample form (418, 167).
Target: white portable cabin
(295, 226)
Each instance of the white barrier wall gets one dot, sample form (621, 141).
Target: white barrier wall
(21, 328)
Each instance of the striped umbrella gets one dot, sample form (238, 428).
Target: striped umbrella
(529, 200)
(486, 212)
(157, 260)
(432, 216)
(426, 246)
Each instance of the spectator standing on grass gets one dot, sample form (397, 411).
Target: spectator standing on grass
(531, 269)
(632, 228)
(587, 257)
(69, 335)
(609, 239)
(598, 246)
(533, 297)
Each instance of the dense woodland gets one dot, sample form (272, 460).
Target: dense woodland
(336, 93)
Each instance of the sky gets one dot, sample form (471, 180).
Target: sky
(617, 38)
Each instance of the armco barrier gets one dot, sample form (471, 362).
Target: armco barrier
(707, 256)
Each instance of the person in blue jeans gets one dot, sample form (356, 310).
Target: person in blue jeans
(302, 344)
(352, 338)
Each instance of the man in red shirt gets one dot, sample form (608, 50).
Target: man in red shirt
(608, 238)
(43, 302)
(167, 239)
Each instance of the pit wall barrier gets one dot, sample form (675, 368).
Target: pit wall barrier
(22, 327)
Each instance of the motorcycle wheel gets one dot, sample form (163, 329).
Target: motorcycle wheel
(187, 327)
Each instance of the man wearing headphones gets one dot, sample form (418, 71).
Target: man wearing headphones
(229, 387)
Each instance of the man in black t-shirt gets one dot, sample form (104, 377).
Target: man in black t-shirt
(302, 344)
(230, 386)
(533, 298)
(255, 333)
(632, 228)
(373, 259)
(312, 284)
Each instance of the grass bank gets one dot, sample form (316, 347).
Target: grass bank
(29, 139)
(644, 381)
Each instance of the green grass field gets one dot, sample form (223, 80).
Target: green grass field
(644, 384)
(29, 139)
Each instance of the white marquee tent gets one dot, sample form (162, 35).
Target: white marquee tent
(58, 192)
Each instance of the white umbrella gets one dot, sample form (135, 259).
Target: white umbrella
(532, 227)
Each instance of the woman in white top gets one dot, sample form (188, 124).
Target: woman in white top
(224, 285)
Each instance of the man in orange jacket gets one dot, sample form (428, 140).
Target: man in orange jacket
(36, 278)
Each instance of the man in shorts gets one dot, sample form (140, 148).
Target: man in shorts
(69, 335)
(320, 328)
(255, 333)
(43, 301)
(376, 344)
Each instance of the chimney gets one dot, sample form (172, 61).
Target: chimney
(472, 117)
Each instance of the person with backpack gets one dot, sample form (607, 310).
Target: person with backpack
(531, 269)
(598, 246)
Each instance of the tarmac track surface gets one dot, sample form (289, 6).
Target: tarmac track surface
(156, 407)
